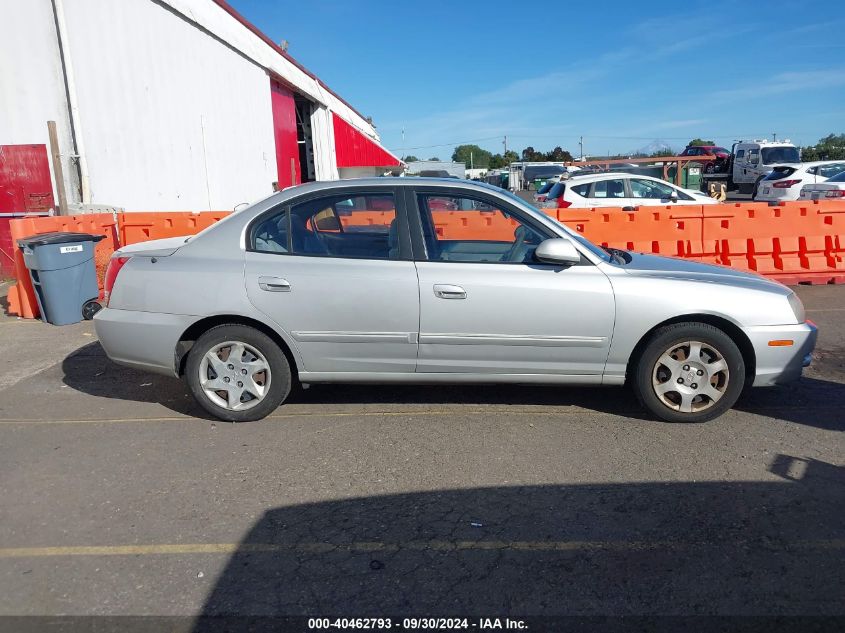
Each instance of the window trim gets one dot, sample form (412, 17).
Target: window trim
(418, 235)
(405, 248)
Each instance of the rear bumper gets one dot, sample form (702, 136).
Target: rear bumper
(778, 365)
(143, 340)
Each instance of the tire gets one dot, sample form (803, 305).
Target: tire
(239, 399)
(669, 366)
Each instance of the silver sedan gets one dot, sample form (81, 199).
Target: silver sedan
(409, 280)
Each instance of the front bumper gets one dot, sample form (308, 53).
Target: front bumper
(143, 340)
(778, 365)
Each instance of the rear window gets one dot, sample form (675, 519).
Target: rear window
(779, 173)
(840, 177)
(829, 171)
(773, 155)
(556, 191)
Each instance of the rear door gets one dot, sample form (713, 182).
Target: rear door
(334, 270)
(486, 306)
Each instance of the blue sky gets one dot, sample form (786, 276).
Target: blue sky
(621, 74)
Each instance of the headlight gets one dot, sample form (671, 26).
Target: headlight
(797, 307)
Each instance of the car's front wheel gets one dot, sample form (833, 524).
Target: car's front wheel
(689, 372)
(238, 373)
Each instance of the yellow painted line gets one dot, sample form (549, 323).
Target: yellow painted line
(339, 414)
(365, 547)
(573, 411)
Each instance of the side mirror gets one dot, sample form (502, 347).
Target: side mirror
(557, 251)
(673, 197)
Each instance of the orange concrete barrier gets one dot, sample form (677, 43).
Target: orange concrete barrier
(21, 298)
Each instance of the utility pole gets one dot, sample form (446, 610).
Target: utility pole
(581, 146)
(506, 143)
(470, 161)
(774, 137)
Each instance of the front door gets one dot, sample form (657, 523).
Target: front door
(335, 273)
(487, 307)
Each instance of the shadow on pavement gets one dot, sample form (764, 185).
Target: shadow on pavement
(727, 548)
(812, 402)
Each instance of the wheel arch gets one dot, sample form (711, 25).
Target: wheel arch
(727, 326)
(197, 329)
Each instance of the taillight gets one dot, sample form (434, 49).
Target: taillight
(836, 193)
(115, 264)
(785, 184)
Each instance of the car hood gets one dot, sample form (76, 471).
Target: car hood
(643, 265)
(155, 248)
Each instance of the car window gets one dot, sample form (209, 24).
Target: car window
(753, 156)
(609, 189)
(581, 190)
(740, 153)
(465, 229)
(361, 226)
(641, 188)
(829, 171)
(773, 155)
(840, 177)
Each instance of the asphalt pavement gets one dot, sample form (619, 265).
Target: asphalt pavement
(118, 497)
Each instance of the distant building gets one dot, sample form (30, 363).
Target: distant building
(416, 168)
(165, 105)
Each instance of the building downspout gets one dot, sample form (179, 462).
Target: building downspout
(73, 104)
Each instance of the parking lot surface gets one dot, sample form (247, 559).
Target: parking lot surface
(118, 496)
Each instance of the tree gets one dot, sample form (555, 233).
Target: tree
(434, 158)
(472, 155)
(698, 141)
(559, 154)
(497, 161)
(530, 154)
(411, 159)
(831, 147)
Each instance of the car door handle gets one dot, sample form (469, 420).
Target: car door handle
(448, 291)
(273, 284)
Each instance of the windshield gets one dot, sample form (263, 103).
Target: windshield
(583, 241)
(542, 171)
(773, 155)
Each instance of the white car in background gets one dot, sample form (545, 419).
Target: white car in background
(619, 190)
(832, 189)
(785, 182)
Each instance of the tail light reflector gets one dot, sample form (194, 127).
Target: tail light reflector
(115, 264)
(836, 193)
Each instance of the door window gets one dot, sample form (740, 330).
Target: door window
(457, 228)
(829, 171)
(362, 226)
(609, 189)
(641, 188)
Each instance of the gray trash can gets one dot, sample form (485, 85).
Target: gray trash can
(64, 278)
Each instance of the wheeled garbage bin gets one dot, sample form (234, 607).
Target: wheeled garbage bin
(61, 266)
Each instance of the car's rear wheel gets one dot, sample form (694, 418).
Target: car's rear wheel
(689, 372)
(238, 373)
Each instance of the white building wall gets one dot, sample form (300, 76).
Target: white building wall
(172, 119)
(31, 84)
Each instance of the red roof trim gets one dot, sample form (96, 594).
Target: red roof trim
(231, 11)
(353, 148)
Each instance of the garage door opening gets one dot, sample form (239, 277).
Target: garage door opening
(305, 138)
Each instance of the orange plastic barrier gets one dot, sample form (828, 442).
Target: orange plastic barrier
(143, 226)
(21, 297)
(795, 242)
(664, 230)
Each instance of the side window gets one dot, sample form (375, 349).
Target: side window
(650, 189)
(609, 189)
(754, 156)
(829, 171)
(271, 235)
(740, 154)
(463, 229)
(362, 226)
(581, 190)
